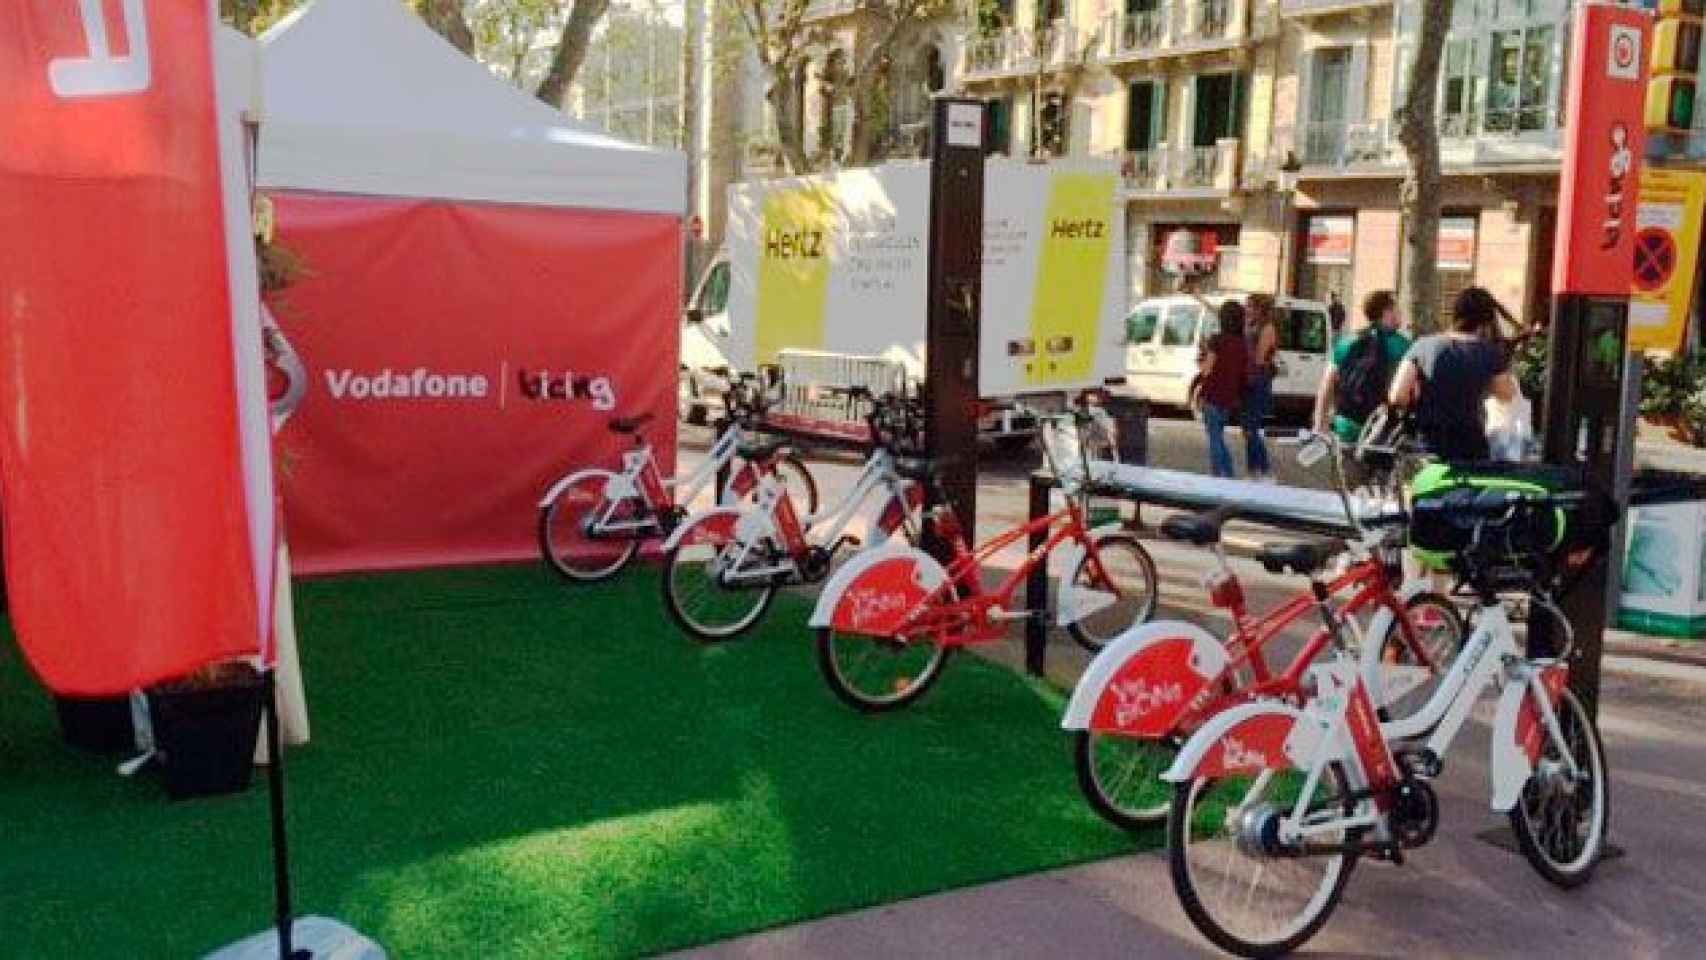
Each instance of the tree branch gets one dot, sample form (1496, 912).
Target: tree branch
(571, 50)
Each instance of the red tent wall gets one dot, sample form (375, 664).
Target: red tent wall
(426, 437)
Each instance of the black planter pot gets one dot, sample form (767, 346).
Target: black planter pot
(99, 726)
(206, 738)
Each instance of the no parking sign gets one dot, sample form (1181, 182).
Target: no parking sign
(1667, 251)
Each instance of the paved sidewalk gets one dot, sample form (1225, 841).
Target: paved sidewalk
(1460, 897)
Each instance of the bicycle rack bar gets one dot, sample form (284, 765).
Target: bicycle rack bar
(1036, 585)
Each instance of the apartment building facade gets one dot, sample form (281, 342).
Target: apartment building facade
(1265, 128)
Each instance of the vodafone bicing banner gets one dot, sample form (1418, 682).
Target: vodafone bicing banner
(133, 433)
(839, 262)
(461, 357)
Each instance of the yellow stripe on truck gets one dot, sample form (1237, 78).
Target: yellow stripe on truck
(1072, 277)
(793, 270)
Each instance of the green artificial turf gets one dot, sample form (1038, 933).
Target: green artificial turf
(505, 766)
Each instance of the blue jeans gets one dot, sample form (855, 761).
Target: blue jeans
(1215, 420)
(1258, 400)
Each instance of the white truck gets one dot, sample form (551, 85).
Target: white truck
(826, 276)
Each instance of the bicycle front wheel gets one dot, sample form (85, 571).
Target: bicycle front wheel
(710, 590)
(568, 529)
(878, 674)
(1121, 777)
(1560, 821)
(1127, 571)
(1435, 638)
(1241, 890)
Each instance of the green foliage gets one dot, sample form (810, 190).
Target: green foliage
(1529, 364)
(1667, 385)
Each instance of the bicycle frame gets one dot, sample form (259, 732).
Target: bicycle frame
(979, 618)
(1372, 586)
(641, 480)
(776, 514)
(1340, 724)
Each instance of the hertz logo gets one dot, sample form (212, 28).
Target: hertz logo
(794, 245)
(1078, 230)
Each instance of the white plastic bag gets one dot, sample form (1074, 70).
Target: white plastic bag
(1510, 427)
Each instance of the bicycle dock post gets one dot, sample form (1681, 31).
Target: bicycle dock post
(1036, 585)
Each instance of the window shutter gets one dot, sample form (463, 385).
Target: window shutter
(1157, 112)
(1305, 111)
(1356, 85)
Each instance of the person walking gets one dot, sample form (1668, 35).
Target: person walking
(1262, 335)
(1336, 313)
(1446, 379)
(1357, 379)
(1225, 365)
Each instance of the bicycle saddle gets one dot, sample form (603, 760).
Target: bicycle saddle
(631, 425)
(1306, 559)
(922, 469)
(760, 450)
(1197, 529)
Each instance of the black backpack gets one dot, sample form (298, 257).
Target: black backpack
(1364, 377)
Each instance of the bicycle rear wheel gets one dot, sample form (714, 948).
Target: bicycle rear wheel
(878, 674)
(1121, 777)
(1240, 890)
(707, 593)
(566, 539)
(1131, 570)
(1560, 821)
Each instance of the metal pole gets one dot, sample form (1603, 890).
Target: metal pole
(283, 913)
(956, 299)
(1036, 585)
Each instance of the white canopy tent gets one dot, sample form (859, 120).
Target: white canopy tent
(363, 98)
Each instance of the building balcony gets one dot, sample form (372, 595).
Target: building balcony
(1342, 145)
(1182, 173)
(1016, 52)
(1309, 9)
(1175, 28)
(1370, 148)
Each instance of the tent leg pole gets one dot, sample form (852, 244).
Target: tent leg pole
(280, 841)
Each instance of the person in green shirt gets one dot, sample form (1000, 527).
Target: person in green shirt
(1364, 359)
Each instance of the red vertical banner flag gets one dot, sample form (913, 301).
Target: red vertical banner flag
(1604, 140)
(136, 493)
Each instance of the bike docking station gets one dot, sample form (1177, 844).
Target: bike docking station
(1593, 387)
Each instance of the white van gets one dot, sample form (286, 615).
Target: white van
(705, 334)
(1165, 334)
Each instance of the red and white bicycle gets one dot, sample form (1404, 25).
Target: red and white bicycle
(1274, 804)
(593, 521)
(888, 621)
(723, 567)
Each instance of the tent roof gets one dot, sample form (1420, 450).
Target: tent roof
(362, 97)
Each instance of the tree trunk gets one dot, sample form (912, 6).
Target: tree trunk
(571, 50)
(1420, 197)
(446, 19)
(790, 132)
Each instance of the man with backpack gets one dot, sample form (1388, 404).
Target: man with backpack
(1355, 383)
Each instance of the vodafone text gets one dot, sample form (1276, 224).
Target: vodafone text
(419, 384)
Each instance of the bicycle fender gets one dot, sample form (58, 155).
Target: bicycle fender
(1247, 740)
(615, 486)
(876, 592)
(712, 528)
(1387, 683)
(1519, 732)
(1075, 602)
(1143, 682)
